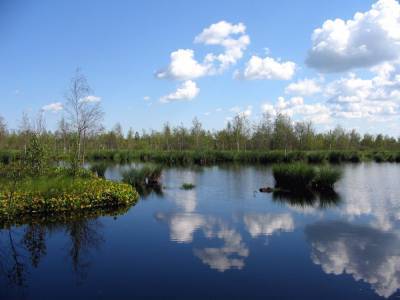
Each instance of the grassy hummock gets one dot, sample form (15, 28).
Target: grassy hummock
(301, 177)
(187, 186)
(148, 175)
(61, 193)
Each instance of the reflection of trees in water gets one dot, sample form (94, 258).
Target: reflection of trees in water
(12, 262)
(24, 247)
(84, 236)
(34, 240)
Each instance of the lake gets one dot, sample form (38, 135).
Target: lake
(222, 239)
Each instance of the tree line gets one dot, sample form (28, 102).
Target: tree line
(80, 130)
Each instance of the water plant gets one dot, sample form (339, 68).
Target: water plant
(148, 175)
(99, 168)
(325, 178)
(187, 186)
(298, 177)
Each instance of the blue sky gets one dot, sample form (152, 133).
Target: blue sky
(255, 51)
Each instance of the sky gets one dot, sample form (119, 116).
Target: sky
(149, 62)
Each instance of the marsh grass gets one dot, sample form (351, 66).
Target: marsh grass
(99, 168)
(299, 177)
(148, 175)
(187, 186)
(325, 178)
(296, 176)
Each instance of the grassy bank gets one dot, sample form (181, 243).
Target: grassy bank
(261, 157)
(58, 193)
(208, 157)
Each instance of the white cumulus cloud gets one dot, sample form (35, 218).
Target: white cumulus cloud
(186, 91)
(183, 66)
(296, 108)
(366, 40)
(305, 87)
(232, 37)
(268, 68)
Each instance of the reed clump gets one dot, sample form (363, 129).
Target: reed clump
(301, 177)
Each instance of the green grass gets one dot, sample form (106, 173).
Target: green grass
(325, 178)
(293, 176)
(99, 168)
(146, 176)
(301, 177)
(187, 186)
(209, 157)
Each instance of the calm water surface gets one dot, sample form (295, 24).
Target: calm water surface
(219, 240)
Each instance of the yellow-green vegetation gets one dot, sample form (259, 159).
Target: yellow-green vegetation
(48, 195)
(32, 185)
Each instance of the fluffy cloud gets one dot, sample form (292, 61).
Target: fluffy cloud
(368, 39)
(267, 68)
(376, 98)
(230, 255)
(182, 225)
(183, 66)
(296, 108)
(231, 37)
(146, 98)
(366, 253)
(91, 99)
(268, 224)
(305, 87)
(186, 91)
(53, 107)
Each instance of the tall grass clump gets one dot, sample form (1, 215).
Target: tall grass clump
(302, 177)
(325, 178)
(293, 176)
(316, 157)
(187, 186)
(99, 169)
(148, 175)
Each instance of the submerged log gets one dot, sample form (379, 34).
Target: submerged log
(266, 189)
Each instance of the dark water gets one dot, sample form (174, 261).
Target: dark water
(219, 240)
